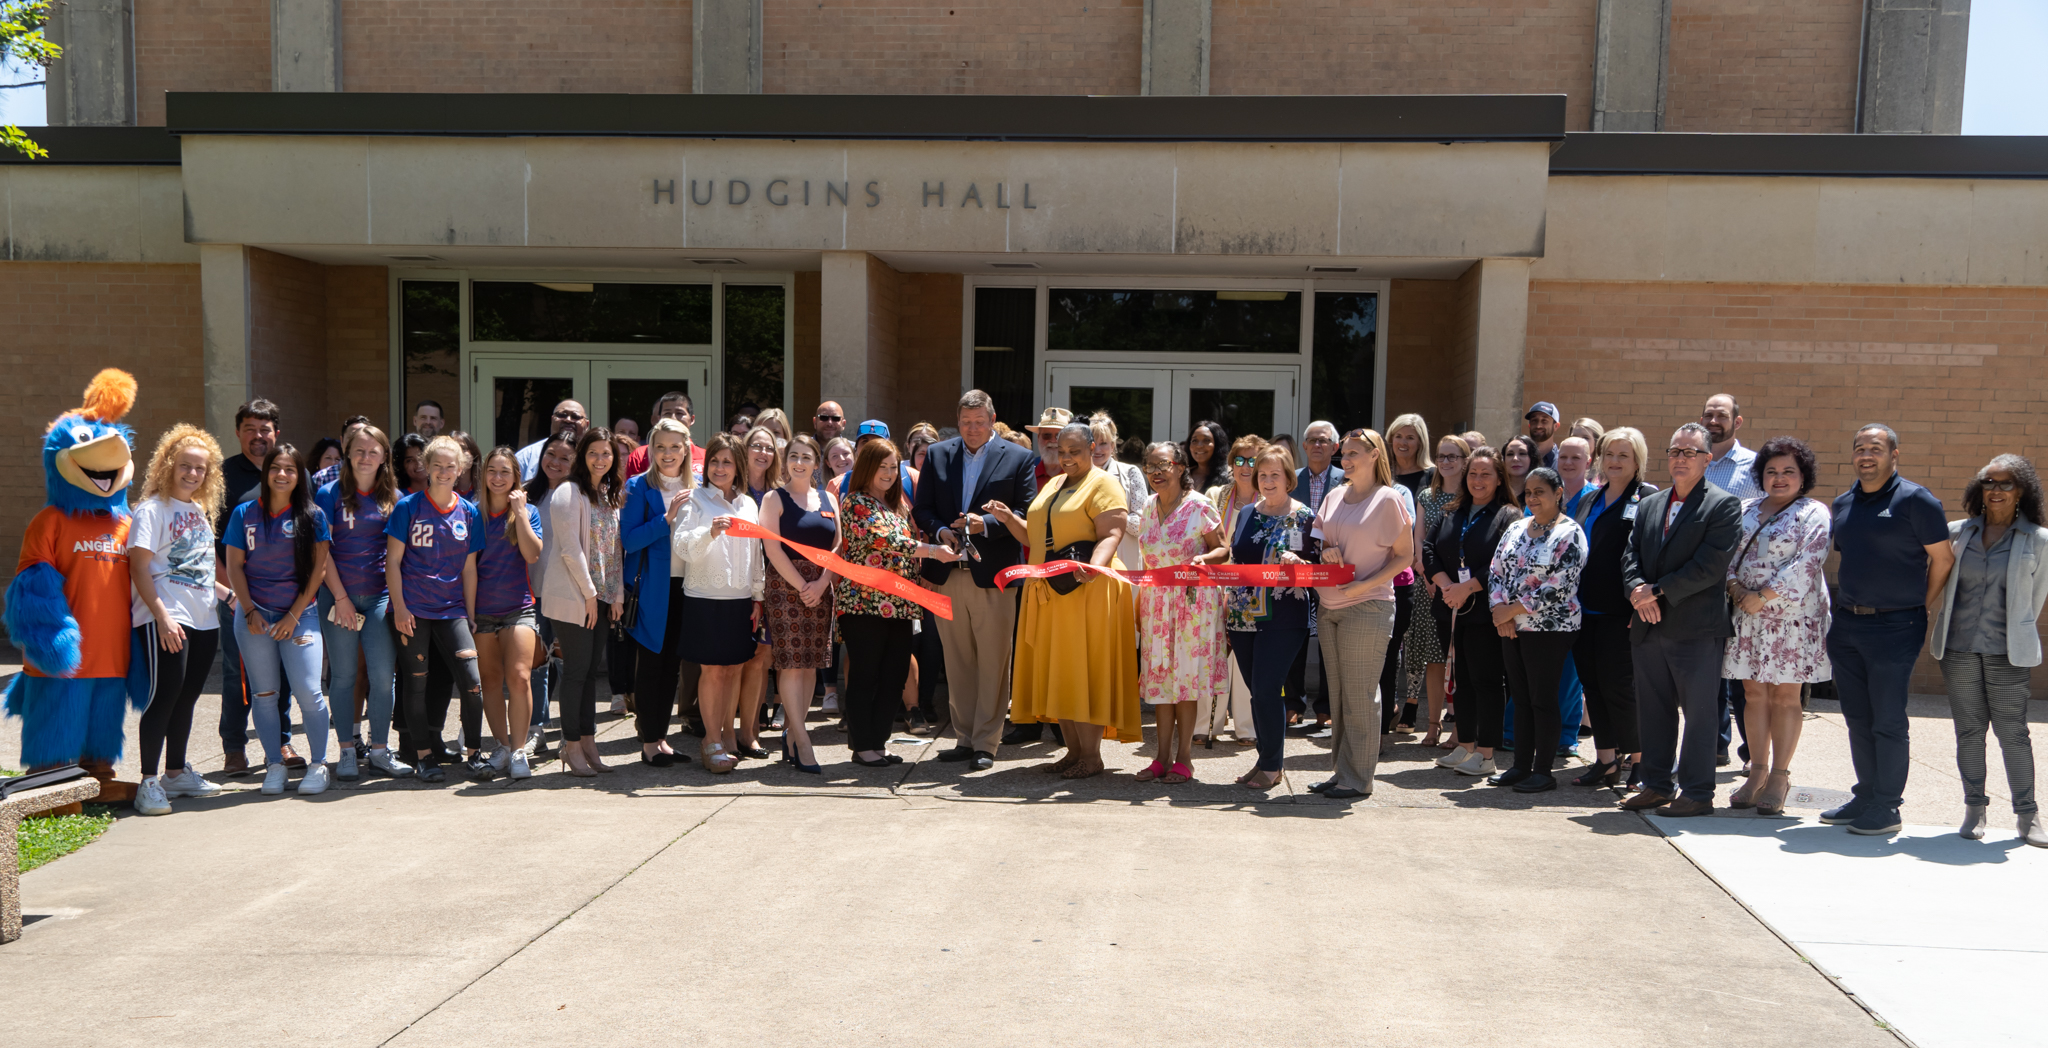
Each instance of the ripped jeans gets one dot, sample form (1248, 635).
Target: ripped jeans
(267, 662)
(450, 639)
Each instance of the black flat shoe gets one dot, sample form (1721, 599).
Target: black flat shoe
(886, 760)
(751, 752)
(1605, 773)
(658, 759)
(1507, 778)
(1323, 786)
(983, 760)
(1537, 782)
(1344, 793)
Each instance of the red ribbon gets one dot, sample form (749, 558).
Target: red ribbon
(1183, 575)
(873, 578)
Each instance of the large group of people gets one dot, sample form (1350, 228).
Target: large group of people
(1501, 594)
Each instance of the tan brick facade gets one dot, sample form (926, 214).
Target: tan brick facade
(198, 45)
(1754, 65)
(803, 380)
(1421, 331)
(319, 338)
(928, 350)
(970, 47)
(516, 45)
(1370, 47)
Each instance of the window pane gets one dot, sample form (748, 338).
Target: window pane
(1243, 412)
(1174, 321)
(522, 409)
(1347, 325)
(556, 311)
(430, 343)
(1129, 407)
(1005, 330)
(753, 347)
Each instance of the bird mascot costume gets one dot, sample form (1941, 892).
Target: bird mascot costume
(67, 609)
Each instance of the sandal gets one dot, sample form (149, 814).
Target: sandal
(1179, 773)
(1152, 771)
(1248, 783)
(1082, 771)
(1061, 765)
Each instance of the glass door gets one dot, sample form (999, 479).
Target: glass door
(1250, 400)
(513, 398)
(1139, 399)
(629, 388)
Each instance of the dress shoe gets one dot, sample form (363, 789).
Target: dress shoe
(1603, 773)
(657, 759)
(956, 754)
(1685, 808)
(1322, 786)
(1020, 734)
(1646, 800)
(1508, 777)
(292, 758)
(1974, 817)
(1877, 822)
(1344, 793)
(1843, 815)
(237, 763)
(1537, 782)
(750, 751)
(983, 760)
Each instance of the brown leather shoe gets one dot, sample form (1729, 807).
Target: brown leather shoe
(1646, 800)
(237, 762)
(1686, 809)
(292, 758)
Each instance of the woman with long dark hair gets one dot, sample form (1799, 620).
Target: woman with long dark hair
(1207, 446)
(412, 470)
(355, 605)
(277, 555)
(583, 587)
(1458, 558)
(557, 455)
(431, 544)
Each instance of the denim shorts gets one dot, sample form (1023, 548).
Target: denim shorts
(493, 623)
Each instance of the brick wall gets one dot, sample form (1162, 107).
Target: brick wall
(1752, 65)
(515, 45)
(198, 45)
(1064, 47)
(68, 320)
(928, 350)
(1957, 371)
(358, 344)
(885, 298)
(288, 342)
(1420, 329)
(1464, 340)
(805, 347)
(1336, 47)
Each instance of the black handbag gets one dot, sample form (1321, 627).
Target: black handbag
(1067, 582)
(629, 607)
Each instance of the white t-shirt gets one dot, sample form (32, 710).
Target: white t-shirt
(180, 541)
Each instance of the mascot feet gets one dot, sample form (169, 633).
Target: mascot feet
(112, 790)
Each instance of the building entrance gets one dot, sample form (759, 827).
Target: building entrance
(517, 393)
(1163, 403)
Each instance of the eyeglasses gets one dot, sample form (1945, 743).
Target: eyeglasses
(1319, 441)
(1158, 470)
(2001, 485)
(1685, 453)
(830, 418)
(1446, 455)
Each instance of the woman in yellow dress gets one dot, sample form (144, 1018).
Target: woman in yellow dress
(1077, 653)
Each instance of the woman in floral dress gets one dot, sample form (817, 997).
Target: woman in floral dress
(1781, 615)
(1182, 659)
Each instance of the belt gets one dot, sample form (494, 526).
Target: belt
(1860, 609)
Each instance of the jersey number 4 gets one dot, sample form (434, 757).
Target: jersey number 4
(423, 535)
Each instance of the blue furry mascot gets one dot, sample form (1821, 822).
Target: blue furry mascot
(67, 609)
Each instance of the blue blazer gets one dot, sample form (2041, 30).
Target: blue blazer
(1332, 478)
(1009, 474)
(643, 532)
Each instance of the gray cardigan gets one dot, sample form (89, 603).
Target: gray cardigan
(2026, 588)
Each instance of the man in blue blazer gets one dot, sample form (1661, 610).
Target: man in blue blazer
(961, 476)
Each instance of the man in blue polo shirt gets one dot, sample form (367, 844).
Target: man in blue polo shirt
(1893, 538)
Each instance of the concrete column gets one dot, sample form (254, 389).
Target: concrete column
(1913, 59)
(93, 83)
(725, 47)
(305, 45)
(224, 320)
(858, 326)
(1501, 339)
(1631, 54)
(1176, 48)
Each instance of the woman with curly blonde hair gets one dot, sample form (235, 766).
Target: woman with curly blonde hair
(170, 560)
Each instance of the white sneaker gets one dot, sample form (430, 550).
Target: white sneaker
(150, 799)
(518, 768)
(502, 759)
(388, 763)
(273, 780)
(1476, 765)
(618, 706)
(1454, 758)
(315, 781)
(345, 768)
(532, 742)
(831, 702)
(187, 783)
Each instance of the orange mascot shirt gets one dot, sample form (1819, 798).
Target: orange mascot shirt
(90, 551)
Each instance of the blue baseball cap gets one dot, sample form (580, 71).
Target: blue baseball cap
(1544, 407)
(873, 427)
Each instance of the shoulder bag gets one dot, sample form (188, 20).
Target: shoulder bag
(1068, 582)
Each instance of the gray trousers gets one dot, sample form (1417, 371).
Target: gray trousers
(1674, 677)
(1354, 644)
(1988, 691)
(977, 642)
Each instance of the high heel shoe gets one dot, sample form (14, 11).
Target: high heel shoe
(1744, 796)
(1604, 773)
(1771, 799)
(716, 760)
(789, 758)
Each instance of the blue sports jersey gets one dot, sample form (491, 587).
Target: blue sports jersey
(358, 529)
(437, 544)
(269, 558)
(502, 586)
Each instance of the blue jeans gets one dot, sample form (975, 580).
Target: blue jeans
(268, 663)
(380, 660)
(234, 698)
(1873, 658)
(1265, 658)
(544, 677)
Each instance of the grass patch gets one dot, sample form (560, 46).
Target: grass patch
(41, 841)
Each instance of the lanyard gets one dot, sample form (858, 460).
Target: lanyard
(1467, 530)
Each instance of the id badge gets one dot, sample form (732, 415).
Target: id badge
(1294, 539)
(1464, 575)
(1628, 512)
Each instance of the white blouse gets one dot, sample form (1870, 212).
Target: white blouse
(725, 567)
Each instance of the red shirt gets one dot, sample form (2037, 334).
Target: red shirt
(90, 551)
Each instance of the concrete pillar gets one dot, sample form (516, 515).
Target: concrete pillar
(305, 45)
(1176, 48)
(1502, 335)
(1631, 54)
(224, 321)
(1913, 59)
(725, 47)
(93, 83)
(857, 334)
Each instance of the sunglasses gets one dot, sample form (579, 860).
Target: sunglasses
(830, 418)
(2001, 485)
(1243, 460)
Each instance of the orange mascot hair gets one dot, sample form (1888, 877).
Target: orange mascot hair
(109, 396)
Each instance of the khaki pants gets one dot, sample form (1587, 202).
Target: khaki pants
(978, 642)
(1354, 641)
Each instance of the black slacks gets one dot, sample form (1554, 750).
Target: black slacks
(1535, 663)
(1607, 671)
(1481, 697)
(877, 664)
(655, 672)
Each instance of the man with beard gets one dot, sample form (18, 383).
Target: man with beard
(1543, 421)
(1731, 465)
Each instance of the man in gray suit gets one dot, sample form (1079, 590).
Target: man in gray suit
(1675, 568)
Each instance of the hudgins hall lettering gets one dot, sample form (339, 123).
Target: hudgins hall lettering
(783, 192)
